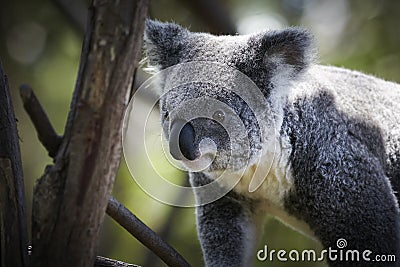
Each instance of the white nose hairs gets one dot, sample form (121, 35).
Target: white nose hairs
(208, 148)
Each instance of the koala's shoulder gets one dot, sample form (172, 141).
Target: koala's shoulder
(360, 107)
(346, 87)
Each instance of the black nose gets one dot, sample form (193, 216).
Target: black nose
(181, 141)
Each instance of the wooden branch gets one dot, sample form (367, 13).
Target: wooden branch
(47, 136)
(70, 199)
(106, 262)
(144, 234)
(115, 209)
(166, 227)
(13, 228)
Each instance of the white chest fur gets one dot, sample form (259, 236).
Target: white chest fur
(276, 184)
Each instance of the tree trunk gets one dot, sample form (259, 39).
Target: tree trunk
(13, 229)
(70, 199)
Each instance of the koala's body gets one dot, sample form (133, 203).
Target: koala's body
(336, 163)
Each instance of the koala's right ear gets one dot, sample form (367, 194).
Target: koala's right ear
(291, 50)
(164, 43)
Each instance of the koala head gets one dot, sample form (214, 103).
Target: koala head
(202, 117)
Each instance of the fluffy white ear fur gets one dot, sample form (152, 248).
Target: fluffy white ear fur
(164, 42)
(291, 49)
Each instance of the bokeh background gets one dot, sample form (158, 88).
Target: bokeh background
(41, 45)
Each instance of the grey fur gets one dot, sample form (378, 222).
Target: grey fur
(343, 133)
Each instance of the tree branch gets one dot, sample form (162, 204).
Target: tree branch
(115, 209)
(165, 229)
(70, 199)
(144, 234)
(13, 228)
(106, 262)
(47, 136)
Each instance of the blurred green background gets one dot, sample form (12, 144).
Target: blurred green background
(41, 46)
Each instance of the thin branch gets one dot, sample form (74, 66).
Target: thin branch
(106, 262)
(165, 230)
(46, 133)
(144, 234)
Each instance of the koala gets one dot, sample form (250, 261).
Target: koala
(331, 140)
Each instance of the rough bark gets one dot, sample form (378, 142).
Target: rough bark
(51, 141)
(13, 229)
(70, 199)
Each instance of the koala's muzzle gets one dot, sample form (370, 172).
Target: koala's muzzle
(181, 141)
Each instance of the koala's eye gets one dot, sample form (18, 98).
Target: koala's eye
(166, 116)
(219, 116)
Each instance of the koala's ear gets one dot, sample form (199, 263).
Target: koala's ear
(164, 42)
(291, 49)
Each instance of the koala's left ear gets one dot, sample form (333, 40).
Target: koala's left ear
(292, 48)
(164, 42)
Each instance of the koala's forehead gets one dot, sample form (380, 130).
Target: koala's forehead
(239, 52)
(206, 47)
